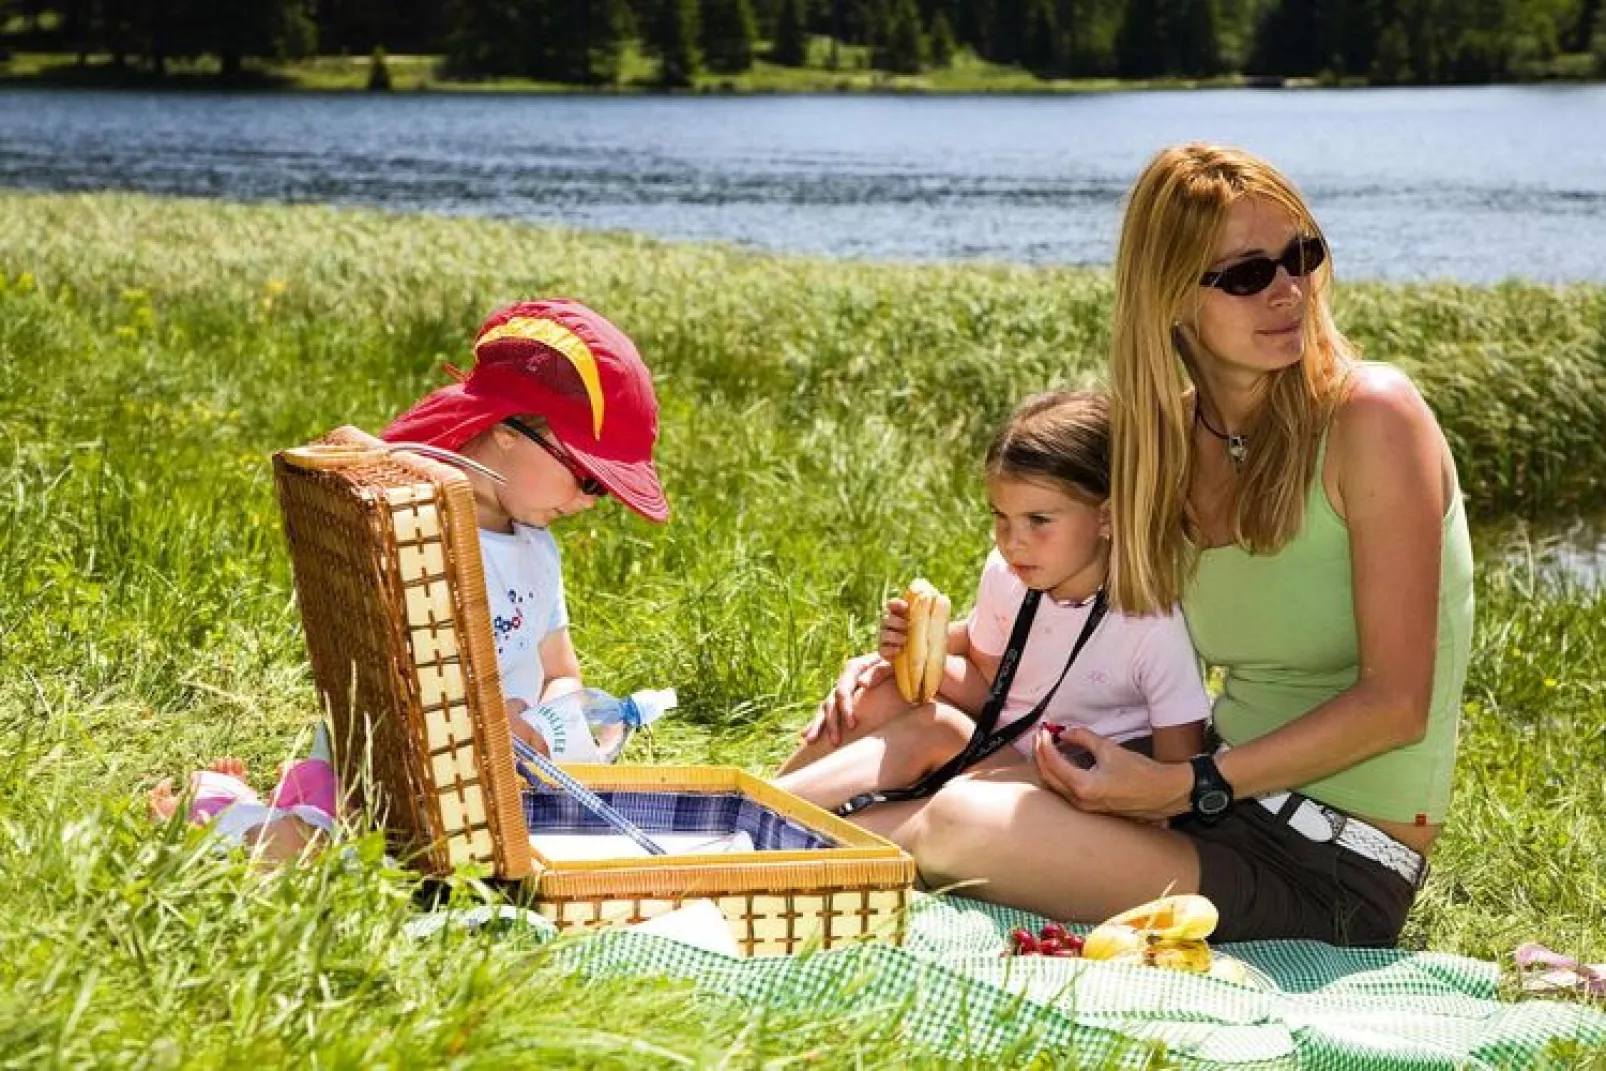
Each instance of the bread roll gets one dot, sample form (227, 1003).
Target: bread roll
(918, 667)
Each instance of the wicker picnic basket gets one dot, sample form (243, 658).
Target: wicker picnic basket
(386, 560)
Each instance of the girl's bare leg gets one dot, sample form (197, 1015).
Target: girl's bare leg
(876, 706)
(898, 753)
(899, 822)
(1035, 851)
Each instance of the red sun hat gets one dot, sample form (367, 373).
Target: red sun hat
(568, 364)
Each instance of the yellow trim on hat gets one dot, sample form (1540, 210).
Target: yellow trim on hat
(560, 338)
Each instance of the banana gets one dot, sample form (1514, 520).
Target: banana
(1168, 932)
(1174, 918)
(1229, 969)
(918, 666)
(1113, 941)
(1183, 955)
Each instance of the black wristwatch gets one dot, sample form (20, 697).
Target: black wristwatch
(1211, 795)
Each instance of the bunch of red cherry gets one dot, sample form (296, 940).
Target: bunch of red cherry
(1052, 940)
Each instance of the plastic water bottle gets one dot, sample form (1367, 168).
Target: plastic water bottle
(592, 726)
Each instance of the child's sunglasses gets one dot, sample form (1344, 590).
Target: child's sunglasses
(589, 484)
(1302, 256)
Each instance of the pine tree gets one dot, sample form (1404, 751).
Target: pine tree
(791, 47)
(942, 46)
(728, 33)
(1042, 47)
(674, 41)
(378, 72)
(584, 39)
(270, 29)
(1391, 60)
(1581, 34)
(1197, 43)
(485, 38)
(901, 45)
(1140, 46)
(1009, 31)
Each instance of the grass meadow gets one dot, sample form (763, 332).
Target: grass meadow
(823, 424)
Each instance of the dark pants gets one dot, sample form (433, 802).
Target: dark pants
(1269, 881)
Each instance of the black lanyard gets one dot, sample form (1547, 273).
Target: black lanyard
(984, 741)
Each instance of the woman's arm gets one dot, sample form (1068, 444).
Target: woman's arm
(1393, 495)
(1389, 462)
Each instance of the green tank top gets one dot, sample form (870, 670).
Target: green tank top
(1283, 628)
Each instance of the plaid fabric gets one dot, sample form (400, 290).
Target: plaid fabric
(1315, 1006)
(549, 811)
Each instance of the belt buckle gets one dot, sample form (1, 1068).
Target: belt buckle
(1313, 822)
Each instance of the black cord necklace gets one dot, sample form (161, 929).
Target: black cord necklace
(1237, 445)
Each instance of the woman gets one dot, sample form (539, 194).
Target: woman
(1303, 508)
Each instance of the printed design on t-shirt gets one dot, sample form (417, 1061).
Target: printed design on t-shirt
(1097, 677)
(508, 627)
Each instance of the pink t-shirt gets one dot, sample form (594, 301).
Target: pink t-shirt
(1135, 674)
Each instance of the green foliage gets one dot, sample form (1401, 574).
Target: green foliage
(791, 47)
(728, 33)
(587, 42)
(378, 72)
(902, 46)
(822, 431)
(940, 42)
(674, 41)
(1042, 48)
(581, 41)
(1159, 37)
(488, 37)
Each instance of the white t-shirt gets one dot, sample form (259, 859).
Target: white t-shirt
(524, 583)
(1136, 674)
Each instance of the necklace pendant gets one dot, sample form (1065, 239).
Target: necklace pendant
(1237, 450)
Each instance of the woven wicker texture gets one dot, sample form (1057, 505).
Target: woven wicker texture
(775, 902)
(387, 572)
(392, 593)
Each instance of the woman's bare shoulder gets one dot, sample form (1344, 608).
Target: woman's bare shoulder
(1379, 404)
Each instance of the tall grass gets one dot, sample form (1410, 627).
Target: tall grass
(823, 424)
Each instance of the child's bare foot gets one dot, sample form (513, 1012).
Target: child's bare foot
(163, 803)
(229, 765)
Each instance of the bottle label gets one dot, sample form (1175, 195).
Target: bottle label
(567, 734)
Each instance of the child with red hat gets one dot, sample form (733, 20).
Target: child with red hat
(561, 407)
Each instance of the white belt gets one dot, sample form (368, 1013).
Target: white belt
(1320, 823)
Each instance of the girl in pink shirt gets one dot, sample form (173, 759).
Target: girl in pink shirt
(1136, 679)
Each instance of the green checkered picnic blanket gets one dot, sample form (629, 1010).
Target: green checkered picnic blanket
(1309, 1004)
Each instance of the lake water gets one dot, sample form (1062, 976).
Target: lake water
(1475, 184)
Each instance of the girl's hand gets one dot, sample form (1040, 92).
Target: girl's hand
(894, 629)
(523, 729)
(836, 712)
(1119, 781)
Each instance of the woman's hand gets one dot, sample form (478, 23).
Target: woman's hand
(1119, 781)
(836, 713)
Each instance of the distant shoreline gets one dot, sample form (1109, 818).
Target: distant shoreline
(419, 74)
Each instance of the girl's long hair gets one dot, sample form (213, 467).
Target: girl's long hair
(1061, 437)
(1174, 217)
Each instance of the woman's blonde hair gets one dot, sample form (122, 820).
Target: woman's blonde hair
(1174, 217)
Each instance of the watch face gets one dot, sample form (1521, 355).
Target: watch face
(1213, 801)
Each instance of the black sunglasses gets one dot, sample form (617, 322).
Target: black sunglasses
(589, 484)
(1302, 256)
